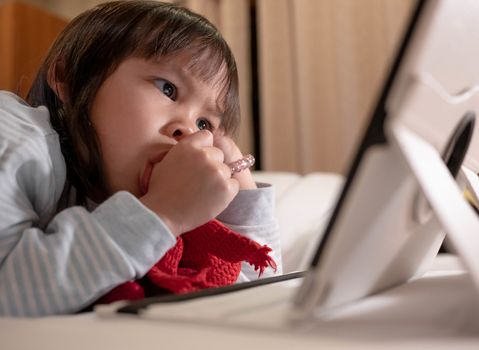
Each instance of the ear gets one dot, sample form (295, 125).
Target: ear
(55, 82)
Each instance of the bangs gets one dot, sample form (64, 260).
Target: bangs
(114, 31)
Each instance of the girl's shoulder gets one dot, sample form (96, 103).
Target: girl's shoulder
(30, 153)
(18, 117)
(26, 133)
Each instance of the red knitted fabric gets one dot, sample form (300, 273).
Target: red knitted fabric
(208, 256)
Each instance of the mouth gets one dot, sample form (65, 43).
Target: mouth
(145, 179)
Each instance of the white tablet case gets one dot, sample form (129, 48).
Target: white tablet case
(403, 198)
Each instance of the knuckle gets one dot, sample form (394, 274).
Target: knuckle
(218, 172)
(199, 154)
(205, 137)
(233, 186)
(225, 187)
(207, 158)
(206, 133)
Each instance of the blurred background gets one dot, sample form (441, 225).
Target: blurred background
(309, 70)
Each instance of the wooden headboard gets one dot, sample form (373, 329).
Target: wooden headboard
(26, 33)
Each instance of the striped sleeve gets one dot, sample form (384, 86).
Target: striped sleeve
(251, 213)
(79, 257)
(56, 263)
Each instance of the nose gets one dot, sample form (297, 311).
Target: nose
(179, 130)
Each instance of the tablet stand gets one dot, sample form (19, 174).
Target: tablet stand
(443, 194)
(438, 194)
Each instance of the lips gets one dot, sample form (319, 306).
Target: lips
(145, 179)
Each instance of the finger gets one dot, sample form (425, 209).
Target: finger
(229, 147)
(225, 171)
(221, 141)
(215, 154)
(202, 138)
(234, 187)
(219, 133)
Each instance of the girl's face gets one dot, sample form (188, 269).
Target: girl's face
(143, 109)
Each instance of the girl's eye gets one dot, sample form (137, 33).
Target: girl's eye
(203, 124)
(166, 88)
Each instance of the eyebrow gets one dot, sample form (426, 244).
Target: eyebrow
(213, 109)
(211, 106)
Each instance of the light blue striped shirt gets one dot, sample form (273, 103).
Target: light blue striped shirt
(59, 262)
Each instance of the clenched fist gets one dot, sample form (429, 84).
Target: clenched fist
(191, 185)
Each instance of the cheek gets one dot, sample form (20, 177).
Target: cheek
(121, 164)
(124, 147)
(123, 144)
(114, 105)
(110, 117)
(118, 121)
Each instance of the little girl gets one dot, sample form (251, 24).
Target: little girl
(123, 146)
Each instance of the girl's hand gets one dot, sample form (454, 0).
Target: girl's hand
(232, 153)
(191, 185)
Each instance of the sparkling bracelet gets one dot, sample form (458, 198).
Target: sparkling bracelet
(241, 164)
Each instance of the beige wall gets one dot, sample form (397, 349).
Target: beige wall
(321, 64)
(64, 8)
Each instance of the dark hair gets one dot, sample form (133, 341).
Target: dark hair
(92, 46)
